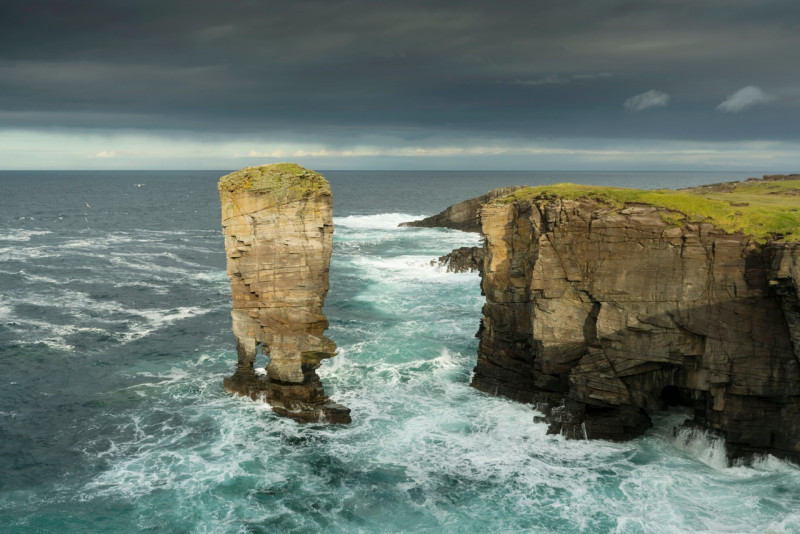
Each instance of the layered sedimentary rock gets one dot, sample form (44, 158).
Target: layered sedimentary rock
(464, 215)
(278, 227)
(601, 316)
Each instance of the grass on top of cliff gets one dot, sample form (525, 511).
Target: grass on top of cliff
(762, 209)
(285, 177)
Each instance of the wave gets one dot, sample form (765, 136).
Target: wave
(21, 234)
(379, 221)
(407, 268)
(87, 315)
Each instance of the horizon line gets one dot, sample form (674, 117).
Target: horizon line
(777, 171)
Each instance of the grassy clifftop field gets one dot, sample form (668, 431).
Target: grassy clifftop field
(765, 209)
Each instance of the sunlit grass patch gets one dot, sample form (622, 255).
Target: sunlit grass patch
(762, 209)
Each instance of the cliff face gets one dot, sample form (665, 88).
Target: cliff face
(601, 317)
(464, 215)
(278, 227)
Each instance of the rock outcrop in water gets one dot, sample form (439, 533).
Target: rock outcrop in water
(278, 226)
(462, 260)
(602, 314)
(464, 215)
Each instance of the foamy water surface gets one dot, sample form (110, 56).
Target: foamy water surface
(115, 336)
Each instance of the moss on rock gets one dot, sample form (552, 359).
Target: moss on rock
(287, 179)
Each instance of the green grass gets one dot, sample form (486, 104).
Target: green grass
(288, 178)
(761, 209)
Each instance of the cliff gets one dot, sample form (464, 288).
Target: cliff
(604, 306)
(464, 215)
(278, 227)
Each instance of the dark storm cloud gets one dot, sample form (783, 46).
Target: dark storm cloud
(341, 69)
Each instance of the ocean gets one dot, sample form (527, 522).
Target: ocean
(115, 336)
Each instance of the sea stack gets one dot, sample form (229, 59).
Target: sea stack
(278, 226)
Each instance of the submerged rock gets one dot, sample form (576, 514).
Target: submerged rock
(278, 226)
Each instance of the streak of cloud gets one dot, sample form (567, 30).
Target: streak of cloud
(650, 99)
(745, 98)
(104, 154)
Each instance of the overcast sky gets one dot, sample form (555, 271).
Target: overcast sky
(586, 84)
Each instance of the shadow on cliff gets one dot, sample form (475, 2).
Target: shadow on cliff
(731, 362)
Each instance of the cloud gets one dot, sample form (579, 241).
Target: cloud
(745, 98)
(104, 154)
(556, 79)
(650, 99)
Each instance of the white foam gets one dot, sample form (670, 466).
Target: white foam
(158, 319)
(83, 309)
(34, 332)
(408, 268)
(216, 276)
(22, 234)
(18, 253)
(704, 446)
(42, 279)
(6, 309)
(380, 221)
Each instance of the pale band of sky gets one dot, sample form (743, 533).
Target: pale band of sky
(66, 150)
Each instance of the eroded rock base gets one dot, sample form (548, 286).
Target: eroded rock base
(305, 402)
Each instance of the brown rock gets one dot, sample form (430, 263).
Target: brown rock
(278, 226)
(601, 318)
(464, 215)
(462, 260)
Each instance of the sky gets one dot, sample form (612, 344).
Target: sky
(363, 84)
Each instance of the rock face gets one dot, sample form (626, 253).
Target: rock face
(278, 226)
(464, 215)
(601, 317)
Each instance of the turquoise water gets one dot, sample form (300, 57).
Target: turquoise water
(115, 336)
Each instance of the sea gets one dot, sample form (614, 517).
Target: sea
(115, 335)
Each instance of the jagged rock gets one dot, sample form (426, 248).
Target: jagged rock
(464, 215)
(278, 227)
(601, 316)
(462, 260)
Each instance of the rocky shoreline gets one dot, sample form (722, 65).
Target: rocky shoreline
(602, 315)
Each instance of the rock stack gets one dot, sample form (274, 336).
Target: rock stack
(278, 226)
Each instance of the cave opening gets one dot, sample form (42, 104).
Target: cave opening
(674, 397)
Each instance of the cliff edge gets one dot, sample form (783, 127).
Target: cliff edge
(606, 305)
(278, 226)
